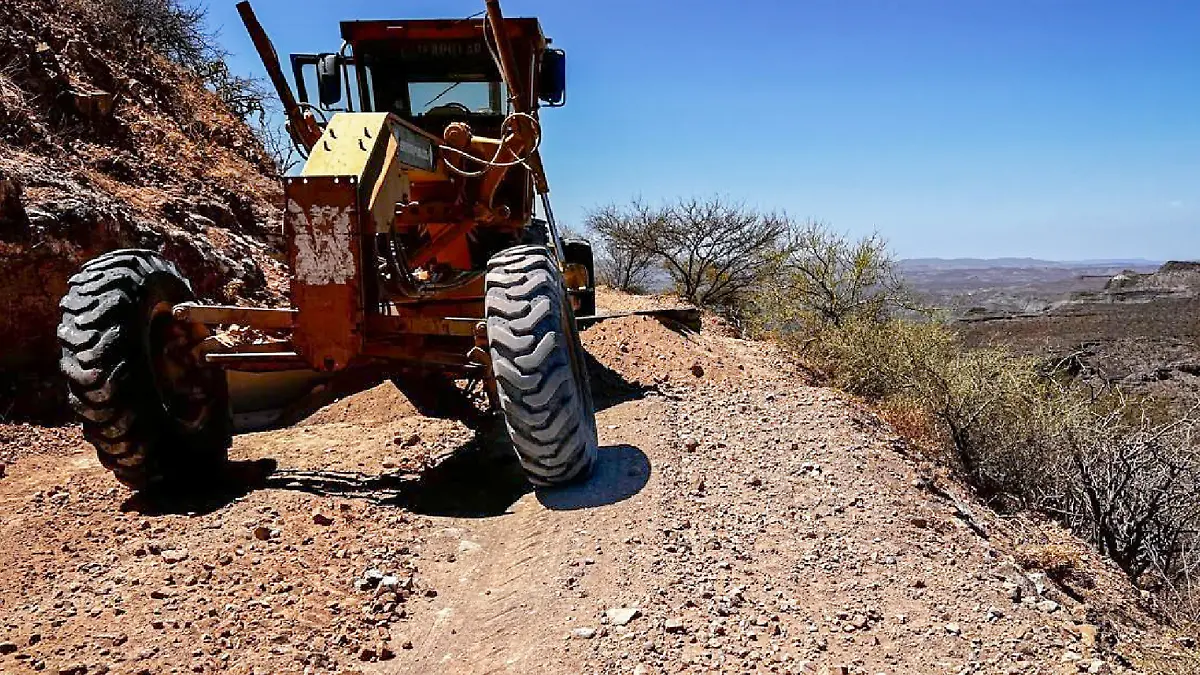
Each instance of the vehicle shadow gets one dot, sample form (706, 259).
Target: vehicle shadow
(488, 481)
(203, 493)
(480, 479)
(620, 472)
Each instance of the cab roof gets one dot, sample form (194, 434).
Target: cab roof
(519, 30)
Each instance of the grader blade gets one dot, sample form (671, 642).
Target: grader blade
(266, 400)
(688, 317)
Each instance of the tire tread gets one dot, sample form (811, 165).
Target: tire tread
(549, 417)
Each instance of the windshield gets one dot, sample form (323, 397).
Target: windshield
(447, 97)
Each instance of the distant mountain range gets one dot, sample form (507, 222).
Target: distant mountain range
(931, 264)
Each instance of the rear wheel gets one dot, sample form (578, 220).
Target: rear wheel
(578, 253)
(153, 410)
(538, 363)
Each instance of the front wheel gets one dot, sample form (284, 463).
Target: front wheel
(150, 406)
(538, 362)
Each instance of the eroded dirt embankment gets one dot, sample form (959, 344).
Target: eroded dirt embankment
(103, 145)
(738, 521)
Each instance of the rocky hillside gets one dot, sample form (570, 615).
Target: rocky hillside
(1173, 279)
(105, 144)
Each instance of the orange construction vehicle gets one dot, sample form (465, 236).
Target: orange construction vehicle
(415, 254)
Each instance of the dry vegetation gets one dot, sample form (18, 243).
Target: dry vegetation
(179, 31)
(714, 251)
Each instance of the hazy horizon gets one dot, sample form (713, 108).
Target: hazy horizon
(1081, 261)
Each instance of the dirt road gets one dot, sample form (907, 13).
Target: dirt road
(738, 521)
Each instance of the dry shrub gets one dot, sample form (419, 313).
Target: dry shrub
(1133, 488)
(1027, 438)
(825, 278)
(622, 261)
(178, 30)
(11, 95)
(986, 408)
(173, 28)
(1170, 661)
(1055, 560)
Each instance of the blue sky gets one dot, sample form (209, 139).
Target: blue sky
(1064, 129)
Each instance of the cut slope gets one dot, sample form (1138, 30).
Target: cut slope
(103, 145)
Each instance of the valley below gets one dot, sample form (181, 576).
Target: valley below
(1133, 324)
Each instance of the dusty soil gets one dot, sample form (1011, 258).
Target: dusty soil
(612, 300)
(738, 521)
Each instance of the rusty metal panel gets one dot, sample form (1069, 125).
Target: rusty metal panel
(324, 234)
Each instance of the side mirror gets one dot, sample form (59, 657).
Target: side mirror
(552, 80)
(329, 80)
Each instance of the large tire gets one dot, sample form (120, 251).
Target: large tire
(154, 413)
(538, 362)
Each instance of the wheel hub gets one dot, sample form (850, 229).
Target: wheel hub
(181, 379)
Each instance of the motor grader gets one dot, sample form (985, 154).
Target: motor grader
(415, 254)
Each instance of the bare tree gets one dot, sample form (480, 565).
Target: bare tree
(715, 251)
(246, 97)
(278, 144)
(178, 30)
(173, 28)
(1132, 489)
(622, 260)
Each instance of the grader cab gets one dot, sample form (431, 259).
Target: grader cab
(415, 250)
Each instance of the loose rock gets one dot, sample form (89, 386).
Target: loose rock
(370, 579)
(1048, 606)
(619, 616)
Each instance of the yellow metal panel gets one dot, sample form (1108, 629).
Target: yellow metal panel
(347, 146)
